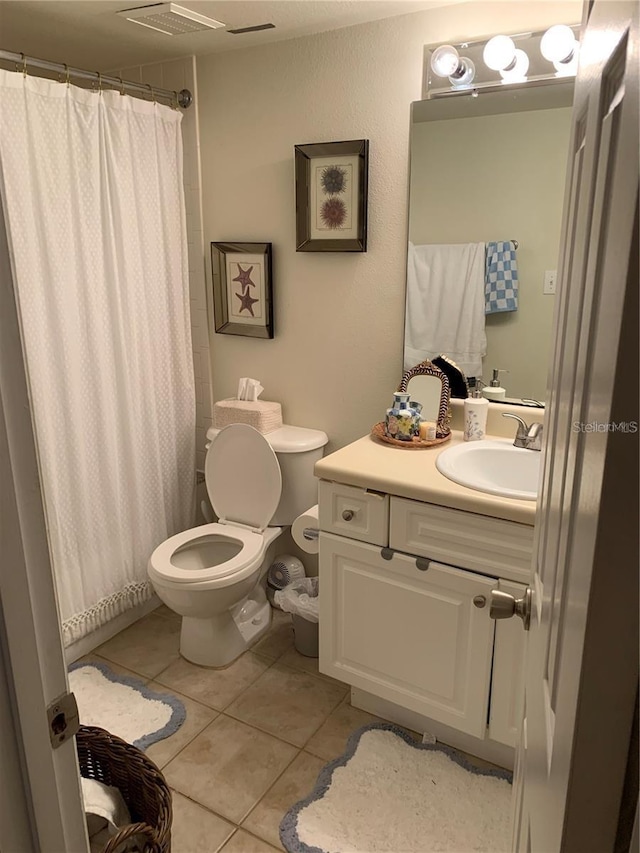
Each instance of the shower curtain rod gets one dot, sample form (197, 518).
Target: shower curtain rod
(183, 98)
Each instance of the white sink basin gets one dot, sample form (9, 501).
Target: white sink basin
(495, 467)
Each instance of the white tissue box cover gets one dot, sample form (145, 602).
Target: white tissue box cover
(261, 414)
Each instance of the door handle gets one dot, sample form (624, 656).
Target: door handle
(504, 606)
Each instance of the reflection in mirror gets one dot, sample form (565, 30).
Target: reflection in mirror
(426, 390)
(487, 172)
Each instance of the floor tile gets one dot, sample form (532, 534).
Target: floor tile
(296, 782)
(147, 647)
(279, 638)
(331, 738)
(295, 660)
(242, 842)
(198, 717)
(167, 613)
(287, 703)
(214, 687)
(196, 830)
(228, 767)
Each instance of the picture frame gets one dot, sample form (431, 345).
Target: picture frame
(331, 196)
(242, 289)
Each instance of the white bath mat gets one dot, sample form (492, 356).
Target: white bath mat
(388, 794)
(123, 705)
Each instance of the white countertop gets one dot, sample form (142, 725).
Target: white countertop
(370, 464)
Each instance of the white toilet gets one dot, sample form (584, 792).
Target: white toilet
(210, 574)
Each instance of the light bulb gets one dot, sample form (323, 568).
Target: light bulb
(499, 53)
(519, 70)
(444, 60)
(567, 69)
(464, 73)
(558, 44)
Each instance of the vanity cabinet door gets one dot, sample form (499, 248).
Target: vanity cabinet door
(507, 685)
(407, 633)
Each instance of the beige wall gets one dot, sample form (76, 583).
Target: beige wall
(499, 177)
(337, 352)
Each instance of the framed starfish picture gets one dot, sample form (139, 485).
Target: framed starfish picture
(331, 196)
(242, 289)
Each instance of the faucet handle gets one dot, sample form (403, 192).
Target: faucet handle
(523, 424)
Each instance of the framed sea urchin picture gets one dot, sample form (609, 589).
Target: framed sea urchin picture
(242, 289)
(331, 196)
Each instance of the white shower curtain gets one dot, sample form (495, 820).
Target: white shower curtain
(91, 185)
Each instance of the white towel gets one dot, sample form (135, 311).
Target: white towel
(445, 305)
(106, 812)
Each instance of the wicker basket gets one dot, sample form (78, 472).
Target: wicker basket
(110, 760)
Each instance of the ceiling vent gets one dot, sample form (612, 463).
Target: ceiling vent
(171, 19)
(255, 29)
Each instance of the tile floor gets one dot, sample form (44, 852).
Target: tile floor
(255, 738)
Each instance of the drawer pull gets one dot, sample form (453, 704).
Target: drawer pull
(386, 553)
(348, 514)
(480, 601)
(422, 564)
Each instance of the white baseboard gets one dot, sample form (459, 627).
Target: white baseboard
(106, 632)
(488, 750)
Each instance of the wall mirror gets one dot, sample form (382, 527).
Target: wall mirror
(488, 168)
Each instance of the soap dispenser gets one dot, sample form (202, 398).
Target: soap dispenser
(475, 414)
(494, 391)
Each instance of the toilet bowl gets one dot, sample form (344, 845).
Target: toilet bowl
(210, 575)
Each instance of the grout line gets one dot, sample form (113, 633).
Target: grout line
(195, 735)
(207, 809)
(258, 729)
(201, 701)
(335, 708)
(182, 749)
(275, 782)
(257, 837)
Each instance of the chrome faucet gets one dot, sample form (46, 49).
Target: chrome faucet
(529, 437)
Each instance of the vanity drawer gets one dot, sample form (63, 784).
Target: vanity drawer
(488, 545)
(354, 512)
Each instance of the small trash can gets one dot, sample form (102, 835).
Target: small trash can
(305, 636)
(300, 598)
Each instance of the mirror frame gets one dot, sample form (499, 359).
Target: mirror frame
(427, 368)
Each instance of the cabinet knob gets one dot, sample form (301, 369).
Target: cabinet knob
(348, 514)
(480, 601)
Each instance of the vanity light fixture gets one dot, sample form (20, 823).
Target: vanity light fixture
(447, 62)
(466, 68)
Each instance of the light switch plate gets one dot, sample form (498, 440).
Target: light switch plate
(550, 282)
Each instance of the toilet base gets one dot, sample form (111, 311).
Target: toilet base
(218, 640)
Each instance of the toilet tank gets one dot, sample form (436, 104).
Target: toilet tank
(298, 449)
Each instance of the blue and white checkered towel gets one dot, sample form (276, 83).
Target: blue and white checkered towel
(501, 278)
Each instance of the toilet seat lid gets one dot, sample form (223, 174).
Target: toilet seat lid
(243, 477)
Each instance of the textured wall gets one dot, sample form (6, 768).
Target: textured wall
(336, 356)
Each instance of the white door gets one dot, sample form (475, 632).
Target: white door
(581, 668)
(33, 660)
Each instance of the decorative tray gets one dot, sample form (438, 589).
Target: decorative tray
(415, 443)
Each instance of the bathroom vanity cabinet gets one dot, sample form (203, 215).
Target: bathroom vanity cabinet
(408, 561)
